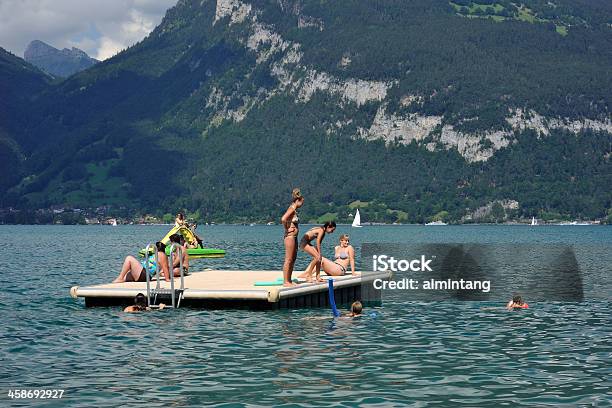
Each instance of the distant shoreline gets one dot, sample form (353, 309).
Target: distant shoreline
(374, 224)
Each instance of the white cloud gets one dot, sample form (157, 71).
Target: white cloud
(100, 28)
(108, 48)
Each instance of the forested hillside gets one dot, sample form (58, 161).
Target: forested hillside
(412, 110)
(20, 83)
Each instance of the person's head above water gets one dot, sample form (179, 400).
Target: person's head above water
(517, 302)
(329, 226)
(140, 301)
(356, 308)
(297, 198)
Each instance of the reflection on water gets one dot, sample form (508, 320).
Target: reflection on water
(411, 352)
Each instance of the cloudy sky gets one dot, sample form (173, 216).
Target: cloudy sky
(101, 28)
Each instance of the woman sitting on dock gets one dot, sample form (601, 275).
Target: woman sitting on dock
(317, 233)
(176, 261)
(344, 255)
(291, 222)
(134, 270)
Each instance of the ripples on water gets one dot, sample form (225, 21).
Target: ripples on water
(408, 353)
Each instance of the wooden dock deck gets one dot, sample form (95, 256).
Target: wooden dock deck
(215, 289)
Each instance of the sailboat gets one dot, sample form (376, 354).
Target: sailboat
(534, 221)
(357, 220)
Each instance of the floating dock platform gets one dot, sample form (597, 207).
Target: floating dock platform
(222, 289)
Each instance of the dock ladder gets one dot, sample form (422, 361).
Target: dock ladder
(156, 295)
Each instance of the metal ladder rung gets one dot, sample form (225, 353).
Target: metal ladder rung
(166, 292)
(175, 294)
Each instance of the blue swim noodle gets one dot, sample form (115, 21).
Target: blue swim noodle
(332, 301)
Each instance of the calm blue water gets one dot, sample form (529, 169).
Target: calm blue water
(411, 353)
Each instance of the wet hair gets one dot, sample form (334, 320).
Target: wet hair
(329, 224)
(296, 194)
(517, 299)
(356, 307)
(344, 236)
(176, 238)
(140, 301)
(161, 247)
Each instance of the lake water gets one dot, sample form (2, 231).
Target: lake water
(414, 353)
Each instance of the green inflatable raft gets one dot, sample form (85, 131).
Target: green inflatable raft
(196, 253)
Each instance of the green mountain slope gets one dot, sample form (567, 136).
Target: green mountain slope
(417, 107)
(19, 84)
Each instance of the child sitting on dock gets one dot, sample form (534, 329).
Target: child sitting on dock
(134, 270)
(140, 305)
(517, 303)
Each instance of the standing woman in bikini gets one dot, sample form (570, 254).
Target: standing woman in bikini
(317, 233)
(291, 222)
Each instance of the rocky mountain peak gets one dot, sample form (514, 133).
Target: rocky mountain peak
(60, 63)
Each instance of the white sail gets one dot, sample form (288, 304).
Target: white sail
(357, 219)
(533, 221)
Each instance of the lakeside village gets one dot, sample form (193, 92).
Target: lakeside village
(493, 213)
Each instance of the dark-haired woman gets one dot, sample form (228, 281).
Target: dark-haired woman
(176, 259)
(179, 221)
(317, 233)
(134, 270)
(291, 222)
(140, 305)
(517, 303)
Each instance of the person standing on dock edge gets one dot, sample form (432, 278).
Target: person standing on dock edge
(291, 221)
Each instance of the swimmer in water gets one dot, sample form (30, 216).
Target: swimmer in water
(517, 303)
(140, 305)
(356, 309)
